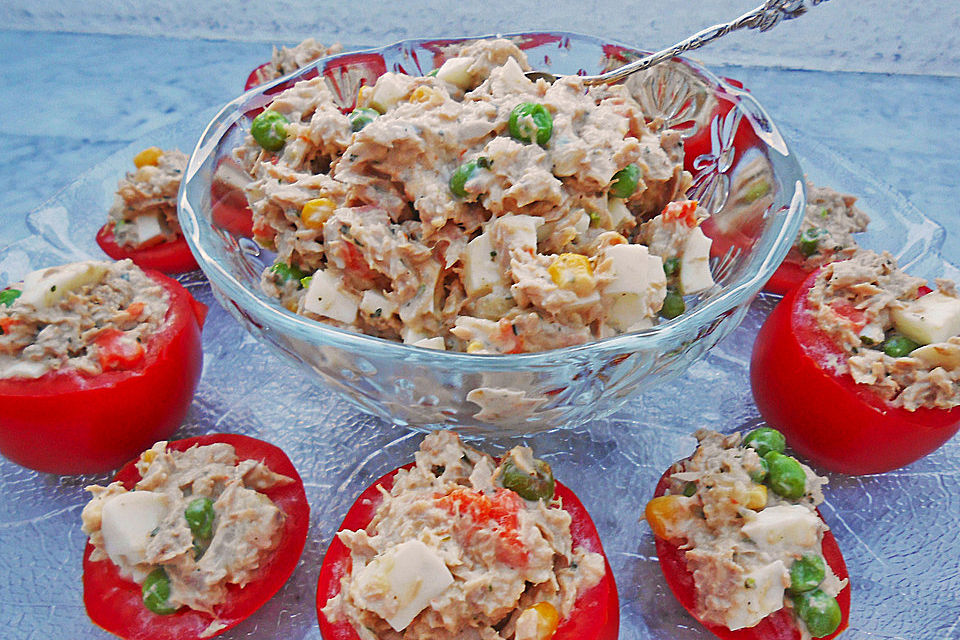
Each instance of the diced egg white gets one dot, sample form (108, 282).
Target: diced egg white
(374, 303)
(127, 520)
(47, 286)
(404, 579)
(618, 211)
(783, 525)
(518, 231)
(481, 270)
(695, 273)
(513, 77)
(763, 596)
(934, 317)
(634, 269)
(390, 89)
(324, 297)
(456, 72)
(149, 229)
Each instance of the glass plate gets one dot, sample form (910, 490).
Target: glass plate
(898, 530)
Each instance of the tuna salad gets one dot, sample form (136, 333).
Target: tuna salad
(491, 547)
(899, 338)
(288, 59)
(196, 522)
(144, 211)
(829, 222)
(89, 316)
(744, 516)
(473, 209)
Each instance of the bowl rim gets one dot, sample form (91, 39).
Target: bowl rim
(270, 313)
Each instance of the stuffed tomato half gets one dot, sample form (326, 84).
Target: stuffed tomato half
(98, 360)
(192, 537)
(860, 366)
(741, 542)
(459, 541)
(142, 223)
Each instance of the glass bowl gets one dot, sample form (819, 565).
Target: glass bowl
(743, 173)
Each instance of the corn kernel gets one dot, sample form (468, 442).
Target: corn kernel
(538, 622)
(149, 156)
(425, 94)
(756, 497)
(572, 271)
(474, 346)
(316, 212)
(148, 456)
(364, 95)
(663, 513)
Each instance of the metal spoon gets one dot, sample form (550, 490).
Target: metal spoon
(765, 17)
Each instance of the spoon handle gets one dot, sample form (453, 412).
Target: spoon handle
(764, 18)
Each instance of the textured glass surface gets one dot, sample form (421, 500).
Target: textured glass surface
(898, 530)
(530, 392)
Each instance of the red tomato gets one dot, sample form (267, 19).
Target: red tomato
(252, 79)
(778, 625)
(595, 616)
(788, 276)
(828, 418)
(69, 422)
(116, 603)
(168, 257)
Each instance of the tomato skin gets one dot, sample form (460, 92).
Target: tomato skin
(596, 615)
(168, 257)
(115, 603)
(67, 422)
(788, 276)
(252, 79)
(828, 418)
(778, 625)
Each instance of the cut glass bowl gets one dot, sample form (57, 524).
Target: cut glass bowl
(743, 173)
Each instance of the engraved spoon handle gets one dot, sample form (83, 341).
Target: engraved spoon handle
(764, 18)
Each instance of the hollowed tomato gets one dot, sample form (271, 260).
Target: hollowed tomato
(595, 616)
(827, 417)
(778, 625)
(69, 422)
(168, 257)
(115, 603)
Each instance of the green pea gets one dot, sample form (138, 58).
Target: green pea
(671, 266)
(359, 118)
(156, 592)
(673, 305)
(810, 240)
(807, 573)
(529, 121)
(898, 346)
(7, 296)
(689, 489)
(765, 440)
(287, 271)
(269, 129)
(625, 181)
(460, 176)
(757, 191)
(538, 485)
(819, 611)
(199, 514)
(760, 475)
(786, 476)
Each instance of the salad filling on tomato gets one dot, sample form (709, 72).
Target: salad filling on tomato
(187, 527)
(460, 544)
(142, 223)
(826, 235)
(288, 59)
(892, 335)
(88, 316)
(742, 544)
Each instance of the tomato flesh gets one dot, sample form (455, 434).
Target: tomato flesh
(828, 418)
(778, 625)
(168, 257)
(67, 422)
(595, 616)
(115, 603)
